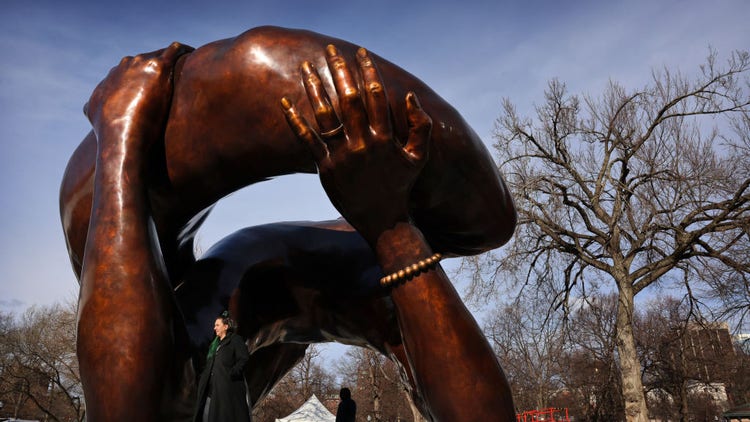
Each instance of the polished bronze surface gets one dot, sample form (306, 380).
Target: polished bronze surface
(175, 130)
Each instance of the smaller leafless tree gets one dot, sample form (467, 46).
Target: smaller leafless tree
(38, 368)
(529, 343)
(591, 372)
(376, 386)
(308, 377)
(554, 361)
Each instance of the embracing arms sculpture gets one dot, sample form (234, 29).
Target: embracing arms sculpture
(177, 129)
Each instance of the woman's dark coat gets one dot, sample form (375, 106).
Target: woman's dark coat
(223, 379)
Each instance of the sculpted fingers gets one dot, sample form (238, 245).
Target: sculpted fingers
(145, 79)
(174, 51)
(325, 115)
(352, 109)
(375, 98)
(364, 122)
(164, 58)
(420, 127)
(304, 132)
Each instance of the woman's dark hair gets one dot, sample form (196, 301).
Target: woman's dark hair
(345, 394)
(227, 320)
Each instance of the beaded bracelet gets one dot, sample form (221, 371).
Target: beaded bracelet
(407, 273)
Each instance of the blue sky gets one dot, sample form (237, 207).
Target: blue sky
(473, 53)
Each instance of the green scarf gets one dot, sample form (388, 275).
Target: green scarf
(212, 348)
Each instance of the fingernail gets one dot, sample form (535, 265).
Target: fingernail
(362, 52)
(307, 67)
(286, 103)
(331, 50)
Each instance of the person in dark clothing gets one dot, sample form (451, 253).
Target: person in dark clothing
(347, 410)
(222, 395)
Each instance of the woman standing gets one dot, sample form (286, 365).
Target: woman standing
(222, 395)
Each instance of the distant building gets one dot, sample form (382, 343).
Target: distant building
(699, 361)
(706, 350)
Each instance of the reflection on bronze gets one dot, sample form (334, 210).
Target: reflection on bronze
(177, 129)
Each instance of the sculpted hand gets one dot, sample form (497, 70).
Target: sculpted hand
(136, 94)
(366, 172)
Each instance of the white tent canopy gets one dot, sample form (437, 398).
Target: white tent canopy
(311, 411)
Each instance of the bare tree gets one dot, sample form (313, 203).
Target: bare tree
(659, 332)
(39, 369)
(376, 386)
(629, 190)
(590, 370)
(308, 377)
(553, 361)
(529, 346)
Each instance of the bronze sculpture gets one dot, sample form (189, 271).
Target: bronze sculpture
(178, 129)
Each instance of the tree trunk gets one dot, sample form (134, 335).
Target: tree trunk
(632, 387)
(375, 387)
(683, 401)
(18, 405)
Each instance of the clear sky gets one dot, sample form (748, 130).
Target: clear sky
(473, 53)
